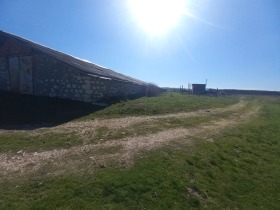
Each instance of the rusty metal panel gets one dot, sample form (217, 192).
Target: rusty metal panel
(26, 81)
(14, 74)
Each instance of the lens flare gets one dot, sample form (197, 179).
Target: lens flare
(157, 17)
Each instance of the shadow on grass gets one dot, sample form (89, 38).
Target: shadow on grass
(25, 112)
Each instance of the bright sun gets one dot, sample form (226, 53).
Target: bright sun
(157, 17)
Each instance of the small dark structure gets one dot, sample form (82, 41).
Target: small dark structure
(199, 89)
(30, 68)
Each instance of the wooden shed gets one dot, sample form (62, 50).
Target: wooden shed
(199, 89)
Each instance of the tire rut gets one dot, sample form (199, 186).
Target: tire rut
(92, 156)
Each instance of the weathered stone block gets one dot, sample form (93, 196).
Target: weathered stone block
(88, 91)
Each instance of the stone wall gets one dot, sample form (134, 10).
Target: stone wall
(54, 78)
(4, 74)
(57, 79)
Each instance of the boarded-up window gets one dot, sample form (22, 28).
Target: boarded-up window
(26, 83)
(14, 74)
(21, 74)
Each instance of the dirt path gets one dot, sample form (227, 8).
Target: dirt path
(91, 156)
(83, 127)
(118, 123)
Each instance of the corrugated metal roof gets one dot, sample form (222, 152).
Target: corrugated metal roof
(84, 66)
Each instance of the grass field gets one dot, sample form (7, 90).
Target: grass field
(233, 167)
(169, 102)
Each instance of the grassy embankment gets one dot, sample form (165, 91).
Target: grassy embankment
(239, 168)
(39, 112)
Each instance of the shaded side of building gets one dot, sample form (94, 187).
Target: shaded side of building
(199, 89)
(30, 68)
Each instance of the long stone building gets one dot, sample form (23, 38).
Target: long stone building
(30, 68)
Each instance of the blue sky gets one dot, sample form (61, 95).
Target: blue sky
(231, 43)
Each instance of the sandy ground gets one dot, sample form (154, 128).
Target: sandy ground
(88, 157)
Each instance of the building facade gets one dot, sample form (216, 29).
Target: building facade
(30, 68)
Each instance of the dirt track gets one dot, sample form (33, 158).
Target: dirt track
(91, 156)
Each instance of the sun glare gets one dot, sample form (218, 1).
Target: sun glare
(157, 17)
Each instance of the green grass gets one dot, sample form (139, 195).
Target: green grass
(239, 170)
(29, 143)
(169, 102)
(28, 112)
(21, 111)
